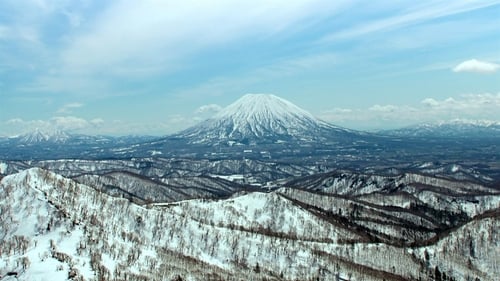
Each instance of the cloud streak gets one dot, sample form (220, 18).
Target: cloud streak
(68, 108)
(208, 108)
(417, 14)
(123, 37)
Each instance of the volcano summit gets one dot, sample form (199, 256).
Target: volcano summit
(262, 118)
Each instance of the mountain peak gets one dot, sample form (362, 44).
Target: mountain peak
(38, 135)
(257, 106)
(260, 117)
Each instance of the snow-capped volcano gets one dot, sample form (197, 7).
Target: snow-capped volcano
(260, 116)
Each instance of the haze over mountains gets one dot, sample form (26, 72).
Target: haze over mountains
(255, 117)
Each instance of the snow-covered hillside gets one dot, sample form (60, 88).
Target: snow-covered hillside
(54, 228)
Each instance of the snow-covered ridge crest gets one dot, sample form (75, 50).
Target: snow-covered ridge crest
(56, 227)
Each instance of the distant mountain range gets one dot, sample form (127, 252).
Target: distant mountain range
(262, 118)
(59, 144)
(257, 126)
(454, 128)
(48, 137)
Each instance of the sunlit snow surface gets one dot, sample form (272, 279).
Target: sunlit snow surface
(3, 167)
(29, 215)
(96, 234)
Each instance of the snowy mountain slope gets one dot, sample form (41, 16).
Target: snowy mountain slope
(410, 191)
(265, 212)
(119, 241)
(454, 128)
(39, 136)
(260, 117)
(94, 236)
(143, 190)
(396, 218)
(355, 184)
(474, 245)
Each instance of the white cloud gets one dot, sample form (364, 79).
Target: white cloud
(476, 66)
(208, 109)
(486, 103)
(430, 102)
(202, 113)
(338, 110)
(14, 121)
(67, 108)
(383, 108)
(69, 123)
(472, 107)
(97, 122)
(97, 126)
(337, 115)
(19, 125)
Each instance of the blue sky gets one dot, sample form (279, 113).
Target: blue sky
(156, 67)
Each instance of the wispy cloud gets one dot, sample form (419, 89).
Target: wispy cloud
(417, 14)
(208, 108)
(383, 108)
(138, 40)
(476, 66)
(118, 38)
(68, 108)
